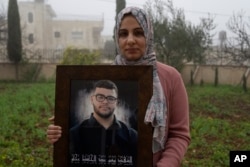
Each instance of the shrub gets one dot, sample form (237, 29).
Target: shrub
(74, 56)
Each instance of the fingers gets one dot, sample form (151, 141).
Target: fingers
(51, 119)
(54, 133)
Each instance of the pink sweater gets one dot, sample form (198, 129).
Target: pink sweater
(177, 130)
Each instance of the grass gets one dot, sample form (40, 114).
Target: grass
(219, 122)
(25, 109)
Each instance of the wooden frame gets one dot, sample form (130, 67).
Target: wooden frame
(66, 75)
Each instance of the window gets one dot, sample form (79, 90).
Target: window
(31, 38)
(57, 34)
(30, 17)
(77, 35)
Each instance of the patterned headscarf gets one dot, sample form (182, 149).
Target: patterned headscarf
(156, 111)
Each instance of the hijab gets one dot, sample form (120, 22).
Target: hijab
(157, 109)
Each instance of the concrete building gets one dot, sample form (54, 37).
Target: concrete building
(44, 30)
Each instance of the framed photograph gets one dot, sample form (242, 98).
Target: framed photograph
(101, 111)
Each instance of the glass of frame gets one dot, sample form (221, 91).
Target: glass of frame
(102, 147)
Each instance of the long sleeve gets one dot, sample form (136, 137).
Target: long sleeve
(177, 130)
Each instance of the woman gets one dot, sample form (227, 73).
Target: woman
(168, 110)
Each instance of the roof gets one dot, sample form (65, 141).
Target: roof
(79, 17)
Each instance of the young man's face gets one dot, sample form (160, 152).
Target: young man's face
(104, 102)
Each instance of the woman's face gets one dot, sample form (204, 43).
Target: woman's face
(132, 42)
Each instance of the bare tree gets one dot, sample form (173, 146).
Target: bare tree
(239, 46)
(3, 33)
(176, 39)
(3, 25)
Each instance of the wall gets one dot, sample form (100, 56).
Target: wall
(46, 23)
(86, 27)
(231, 75)
(45, 71)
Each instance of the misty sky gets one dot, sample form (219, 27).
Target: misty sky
(221, 10)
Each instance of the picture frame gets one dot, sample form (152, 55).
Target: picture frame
(70, 79)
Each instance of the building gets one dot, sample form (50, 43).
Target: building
(45, 32)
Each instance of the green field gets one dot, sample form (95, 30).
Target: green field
(25, 109)
(219, 122)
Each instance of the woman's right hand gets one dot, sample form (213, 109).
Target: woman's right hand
(53, 132)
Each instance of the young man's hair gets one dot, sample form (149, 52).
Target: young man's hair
(107, 84)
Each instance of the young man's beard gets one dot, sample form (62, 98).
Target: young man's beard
(104, 115)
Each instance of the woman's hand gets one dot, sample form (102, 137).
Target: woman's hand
(53, 132)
